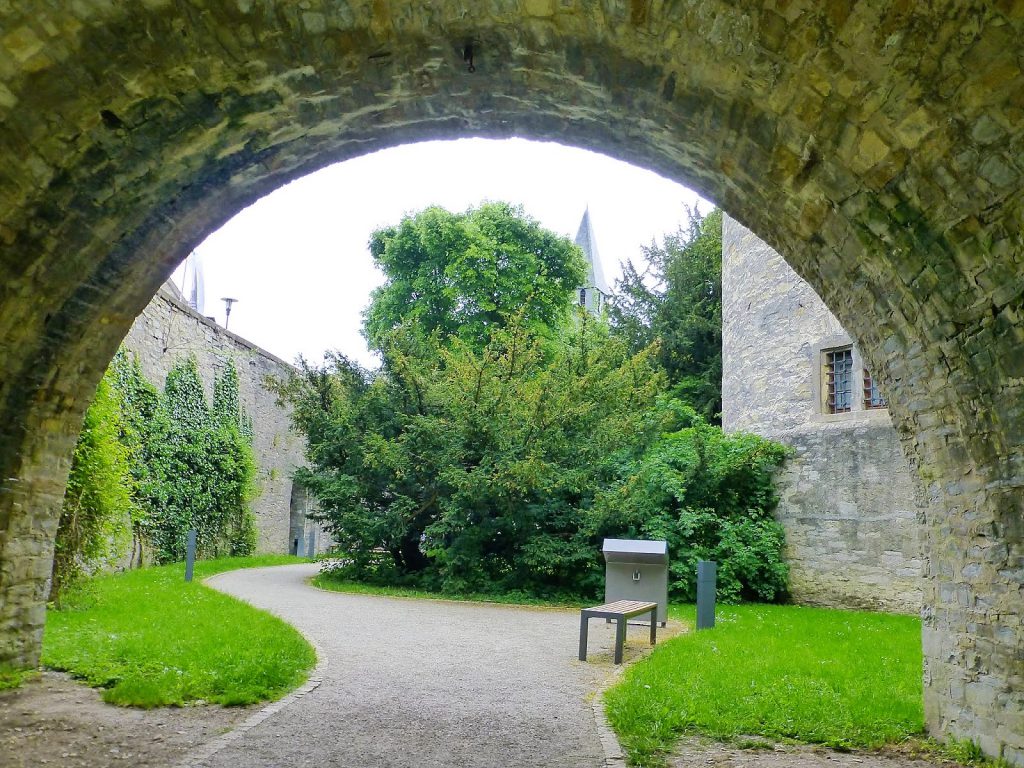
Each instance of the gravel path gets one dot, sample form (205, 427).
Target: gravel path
(424, 683)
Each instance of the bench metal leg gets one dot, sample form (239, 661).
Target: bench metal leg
(620, 638)
(584, 627)
(654, 626)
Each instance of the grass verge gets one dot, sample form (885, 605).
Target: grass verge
(841, 678)
(336, 584)
(149, 639)
(11, 678)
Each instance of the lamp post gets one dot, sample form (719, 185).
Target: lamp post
(227, 310)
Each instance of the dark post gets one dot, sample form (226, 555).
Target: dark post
(190, 554)
(706, 577)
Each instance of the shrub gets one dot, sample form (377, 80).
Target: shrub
(710, 495)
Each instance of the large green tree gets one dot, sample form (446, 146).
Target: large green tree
(500, 440)
(462, 274)
(474, 469)
(676, 301)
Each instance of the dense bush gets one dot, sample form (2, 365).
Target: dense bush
(472, 470)
(711, 496)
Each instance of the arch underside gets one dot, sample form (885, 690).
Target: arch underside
(876, 148)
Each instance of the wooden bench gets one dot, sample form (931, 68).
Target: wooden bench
(620, 610)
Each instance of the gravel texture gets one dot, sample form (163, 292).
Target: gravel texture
(425, 682)
(55, 721)
(701, 753)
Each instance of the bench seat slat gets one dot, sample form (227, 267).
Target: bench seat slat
(626, 608)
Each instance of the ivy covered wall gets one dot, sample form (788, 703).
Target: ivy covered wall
(169, 330)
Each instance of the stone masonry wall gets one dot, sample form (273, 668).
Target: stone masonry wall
(169, 330)
(877, 145)
(848, 503)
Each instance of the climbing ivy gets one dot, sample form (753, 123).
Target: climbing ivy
(206, 467)
(98, 504)
(143, 426)
(155, 465)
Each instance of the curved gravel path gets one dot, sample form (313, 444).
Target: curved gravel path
(414, 683)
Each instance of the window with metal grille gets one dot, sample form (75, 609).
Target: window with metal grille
(839, 379)
(872, 396)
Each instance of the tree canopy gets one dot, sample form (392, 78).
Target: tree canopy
(463, 274)
(504, 435)
(677, 301)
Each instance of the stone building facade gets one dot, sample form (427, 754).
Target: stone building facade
(169, 330)
(791, 373)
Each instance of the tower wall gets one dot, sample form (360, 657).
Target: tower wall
(848, 499)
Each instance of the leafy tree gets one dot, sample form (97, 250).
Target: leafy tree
(98, 506)
(473, 468)
(463, 274)
(711, 496)
(499, 442)
(677, 300)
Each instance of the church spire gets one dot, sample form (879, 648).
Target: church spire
(595, 291)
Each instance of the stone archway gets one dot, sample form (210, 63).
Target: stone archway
(875, 146)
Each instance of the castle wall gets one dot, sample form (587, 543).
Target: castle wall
(169, 330)
(848, 500)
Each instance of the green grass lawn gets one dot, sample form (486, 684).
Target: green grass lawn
(149, 639)
(335, 584)
(840, 678)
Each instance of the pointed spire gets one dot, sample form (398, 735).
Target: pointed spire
(193, 285)
(588, 244)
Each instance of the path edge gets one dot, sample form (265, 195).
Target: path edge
(614, 757)
(205, 751)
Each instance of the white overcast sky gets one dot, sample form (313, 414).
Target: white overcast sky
(298, 262)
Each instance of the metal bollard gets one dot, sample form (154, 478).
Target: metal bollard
(706, 578)
(190, 554)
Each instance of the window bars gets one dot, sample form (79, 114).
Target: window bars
(872, 396)
(839, 379)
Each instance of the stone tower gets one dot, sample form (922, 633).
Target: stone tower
(790, 372)
(594, 294)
